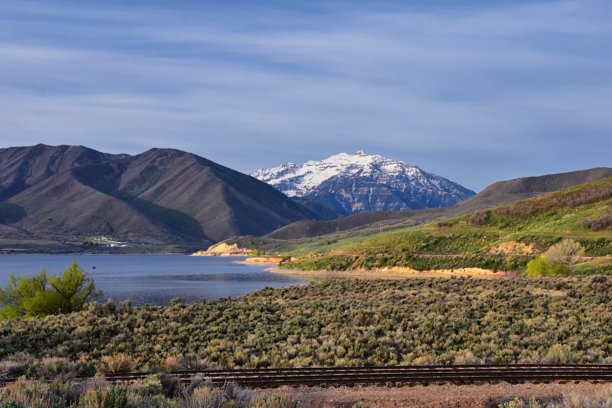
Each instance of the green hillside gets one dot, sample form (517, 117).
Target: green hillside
(500, 238)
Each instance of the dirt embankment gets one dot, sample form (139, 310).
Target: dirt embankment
(462, 396)
(396, 273)
(514, 248)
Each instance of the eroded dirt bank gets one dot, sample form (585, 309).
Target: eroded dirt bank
(463, 396)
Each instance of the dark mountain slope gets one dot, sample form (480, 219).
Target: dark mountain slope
(162, 195)
(62, 206)
(496, 194)
(23, 167)
(512, 190)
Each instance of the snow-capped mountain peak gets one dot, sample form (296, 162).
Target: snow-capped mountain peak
(346, 180)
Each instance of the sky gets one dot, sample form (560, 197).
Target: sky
(476, 91)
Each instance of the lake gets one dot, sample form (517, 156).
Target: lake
(155, 279)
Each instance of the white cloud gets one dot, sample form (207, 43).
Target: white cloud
(410, 82)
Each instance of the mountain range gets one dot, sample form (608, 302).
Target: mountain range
(162, 196)
(66, 198)
(499, 193)
(361, 182)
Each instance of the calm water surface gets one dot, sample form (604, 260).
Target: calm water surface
(155, 279)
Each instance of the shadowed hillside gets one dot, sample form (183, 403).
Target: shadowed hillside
(70, 193)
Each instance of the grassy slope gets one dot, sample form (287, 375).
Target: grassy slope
(469, 239)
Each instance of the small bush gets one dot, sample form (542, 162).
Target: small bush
(42, 295)
(597, 224)
(11, 404)
(116, 397)
(541, 266)
(566, 252)
(559, 354)
(481, 217)
(170, 384)
(465, 357)
(571, 401)
(184, 363)
(16, 365)
(57, 368)
(117, 363)
(205, 397)
(274, 401)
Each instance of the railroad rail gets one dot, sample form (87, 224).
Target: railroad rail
(400, 375)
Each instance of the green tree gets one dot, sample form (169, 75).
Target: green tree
(41, 295)
(74, 288)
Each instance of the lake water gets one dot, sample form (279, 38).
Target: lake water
(155, 279)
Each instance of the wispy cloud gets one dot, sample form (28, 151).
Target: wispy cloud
(525, 87)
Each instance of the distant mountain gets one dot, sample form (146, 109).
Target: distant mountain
(499, 193)
(61, 193)
(350, 184)
(512, 190)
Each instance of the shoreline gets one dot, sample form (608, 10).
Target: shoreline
(260, 260)
(394, 273)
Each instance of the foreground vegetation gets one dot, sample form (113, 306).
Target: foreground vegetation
(330, 323)
(567, 401)
(42, 295)
(154, 392)
(502, 238)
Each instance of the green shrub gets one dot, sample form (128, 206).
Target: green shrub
(560, 354)
(116, 397)
(16, 365)
(541, 266)
(42, 295)
(57, 368)
(11, 404)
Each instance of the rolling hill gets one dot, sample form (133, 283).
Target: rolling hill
(496, 194)
(501, 237)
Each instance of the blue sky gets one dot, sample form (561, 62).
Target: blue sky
(476, 91)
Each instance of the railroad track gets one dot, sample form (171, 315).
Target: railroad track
(350, 376)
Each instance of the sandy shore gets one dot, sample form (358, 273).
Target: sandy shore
(447, 395)
(260, 260)
(394, 273)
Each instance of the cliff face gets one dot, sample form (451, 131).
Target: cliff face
(223, 249)
(163, 195)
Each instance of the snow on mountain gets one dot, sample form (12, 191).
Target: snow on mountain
(352, 183)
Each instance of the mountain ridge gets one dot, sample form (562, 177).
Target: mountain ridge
(64, 192)
(362, 182)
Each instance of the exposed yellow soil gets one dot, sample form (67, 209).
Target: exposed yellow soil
(476, 272)
(395, 273)
(261, 260)
(223, 249)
